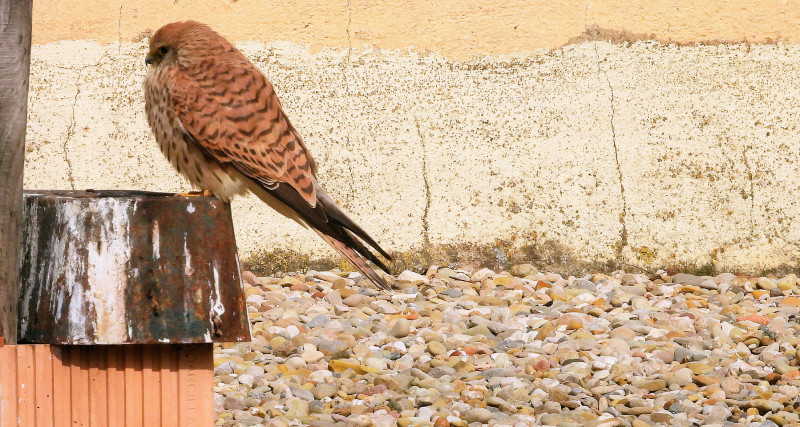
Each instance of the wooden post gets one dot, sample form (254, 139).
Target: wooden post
(15, 50)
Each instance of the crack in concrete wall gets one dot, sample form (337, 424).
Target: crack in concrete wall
(348, 143)
(71, 131)
(71, 126)
(751, 194)
(623, 234)
(347, 30)
(425, 227)
(119, 30)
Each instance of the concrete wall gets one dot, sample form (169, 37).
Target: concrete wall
(473, 122)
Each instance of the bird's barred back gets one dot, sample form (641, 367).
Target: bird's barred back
(220, 123)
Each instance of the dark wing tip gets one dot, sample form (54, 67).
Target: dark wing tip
(378, 281)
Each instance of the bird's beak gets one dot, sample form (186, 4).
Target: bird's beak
(148, 59)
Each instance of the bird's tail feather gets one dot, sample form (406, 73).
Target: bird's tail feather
(333, 225)
(353, 257)
(353, 242)
(336, 213)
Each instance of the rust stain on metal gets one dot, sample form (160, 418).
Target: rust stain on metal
(116, 267)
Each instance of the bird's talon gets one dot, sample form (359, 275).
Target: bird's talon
(204, 193)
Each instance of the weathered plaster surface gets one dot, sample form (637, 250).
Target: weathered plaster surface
(654, 153)
(455, 29)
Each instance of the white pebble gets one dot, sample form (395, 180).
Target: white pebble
(246, 379)
(295, 363)
(292, 330)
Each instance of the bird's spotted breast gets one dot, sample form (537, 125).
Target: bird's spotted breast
(185, 156)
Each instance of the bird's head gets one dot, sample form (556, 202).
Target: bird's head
(175, 42)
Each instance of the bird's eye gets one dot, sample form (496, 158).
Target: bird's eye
(163, 50)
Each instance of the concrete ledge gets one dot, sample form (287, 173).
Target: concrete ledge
(650, 153)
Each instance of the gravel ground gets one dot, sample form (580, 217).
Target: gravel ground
(458, 348)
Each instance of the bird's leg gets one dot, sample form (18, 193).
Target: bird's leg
(203, 193)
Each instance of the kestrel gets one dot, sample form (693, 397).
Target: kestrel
(219, 122)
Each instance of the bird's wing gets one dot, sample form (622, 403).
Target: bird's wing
(233, 113)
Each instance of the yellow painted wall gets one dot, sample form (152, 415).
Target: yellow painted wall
(458, 29)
